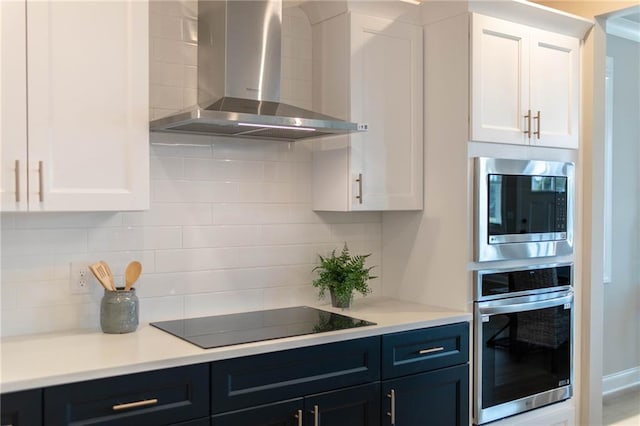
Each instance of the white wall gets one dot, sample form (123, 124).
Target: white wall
(622, 295)
(230, 226)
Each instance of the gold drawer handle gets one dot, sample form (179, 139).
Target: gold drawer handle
(137, 404)
(431, 350)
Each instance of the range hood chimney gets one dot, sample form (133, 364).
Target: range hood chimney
(239, 44)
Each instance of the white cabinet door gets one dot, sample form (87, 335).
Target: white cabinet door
(525, 85)
(87, 106)
(386, 93)
(500, 81)
(555, 89)
(13, 117)
(379, 76)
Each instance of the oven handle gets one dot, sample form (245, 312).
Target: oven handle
(526, 306)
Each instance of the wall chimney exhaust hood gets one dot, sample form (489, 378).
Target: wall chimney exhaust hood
(239, 45)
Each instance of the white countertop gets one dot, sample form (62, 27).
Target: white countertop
(50, 359)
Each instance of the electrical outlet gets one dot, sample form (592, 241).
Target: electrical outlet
(82, 279)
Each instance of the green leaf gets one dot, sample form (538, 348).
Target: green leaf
(343, 274)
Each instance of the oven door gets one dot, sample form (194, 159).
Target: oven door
(523, 354)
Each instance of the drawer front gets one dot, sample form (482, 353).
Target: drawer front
(155, 398)
(22, 408)
(426, 349)
(248, 381)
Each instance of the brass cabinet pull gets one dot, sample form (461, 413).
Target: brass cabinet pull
(537, 132)
(299, 417)
(527, 131)
(315, 415)
(41, 181)
(17, 171)
(392, 412)
(359, 196)
(137, 404)
(431, 350)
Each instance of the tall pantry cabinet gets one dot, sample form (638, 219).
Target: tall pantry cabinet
(74, 118)
(368, 69)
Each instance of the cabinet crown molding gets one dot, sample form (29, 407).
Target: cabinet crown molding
(519, 11)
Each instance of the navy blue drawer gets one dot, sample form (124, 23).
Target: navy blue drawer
(22, 408)
(154, 398)
(259, 379)
(427, 349)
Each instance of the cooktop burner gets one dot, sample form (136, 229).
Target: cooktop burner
(232, 329)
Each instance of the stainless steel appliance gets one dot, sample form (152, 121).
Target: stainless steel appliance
(239, 44)
(523, 340)
(246, 327)
(524, 208)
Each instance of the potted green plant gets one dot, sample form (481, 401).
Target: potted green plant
(342, 275)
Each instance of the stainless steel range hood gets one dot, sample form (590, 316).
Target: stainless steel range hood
(239, 45)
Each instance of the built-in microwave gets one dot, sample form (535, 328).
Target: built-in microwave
(523, 209)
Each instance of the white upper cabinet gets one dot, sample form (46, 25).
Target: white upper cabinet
(369, 70)
(524, 84)
(75, 122)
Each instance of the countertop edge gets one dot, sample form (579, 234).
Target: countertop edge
(190, 354)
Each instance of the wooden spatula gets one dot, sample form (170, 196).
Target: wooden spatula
(101, 274)
(109, 275)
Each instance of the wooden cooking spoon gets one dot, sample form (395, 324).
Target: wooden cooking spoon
(131, 274)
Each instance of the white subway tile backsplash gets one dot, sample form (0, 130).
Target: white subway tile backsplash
(166, 167)
(230, 226)
(279, 297)
(200, 259)
(167, 74)
(134, 238)
(40, 241)
(185, 191)
(222, 303)
(170, 214)
(220, 236)
(224, 170)
(67, 220)
(25, 268)
(166, 97)
(190, 76)
(189, 97)
(295, 234)
(161, 308)
(258, 256)
(165, 26)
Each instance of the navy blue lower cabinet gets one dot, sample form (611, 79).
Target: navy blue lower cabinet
(198, 422)
(22, 408)
(435, 398)
(276, 376)
(284, 413)
(163, 397)
(355, 406)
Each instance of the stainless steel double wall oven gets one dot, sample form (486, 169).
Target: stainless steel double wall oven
(523, 315)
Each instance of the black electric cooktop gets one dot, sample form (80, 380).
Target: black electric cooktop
(232, 329)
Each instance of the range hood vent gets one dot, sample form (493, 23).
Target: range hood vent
(239, 44)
